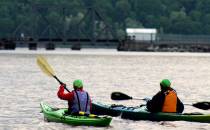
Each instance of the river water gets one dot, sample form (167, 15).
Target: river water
(23, 86)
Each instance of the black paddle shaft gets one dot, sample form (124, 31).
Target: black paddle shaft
(58, 79)
(61, 83)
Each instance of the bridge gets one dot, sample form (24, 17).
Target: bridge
(39, 28)
(53, 26)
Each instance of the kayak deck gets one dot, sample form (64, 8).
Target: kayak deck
(141, 113)
(58, 115)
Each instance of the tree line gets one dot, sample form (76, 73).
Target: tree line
(168, 16)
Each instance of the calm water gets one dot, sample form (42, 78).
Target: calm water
(23, 86)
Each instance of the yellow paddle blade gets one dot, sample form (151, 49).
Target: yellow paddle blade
(44, 66)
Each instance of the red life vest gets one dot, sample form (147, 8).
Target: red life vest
(170, 101)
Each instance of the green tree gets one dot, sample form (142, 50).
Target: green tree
(122, 10)
(132, 23)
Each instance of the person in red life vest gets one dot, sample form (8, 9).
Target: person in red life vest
(78, 99)
(165, 100)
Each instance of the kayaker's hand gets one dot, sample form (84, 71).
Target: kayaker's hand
(63, 85)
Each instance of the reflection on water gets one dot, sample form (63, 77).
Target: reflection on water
(24, 86)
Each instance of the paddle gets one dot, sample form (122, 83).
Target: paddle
(47, 69)
(122, 96)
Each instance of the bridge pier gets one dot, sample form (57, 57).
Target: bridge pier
(52, 44)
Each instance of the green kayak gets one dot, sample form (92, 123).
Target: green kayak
(141, 113)
(58, 115)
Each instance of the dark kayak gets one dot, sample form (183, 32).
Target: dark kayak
(58, 115)
(141, 113)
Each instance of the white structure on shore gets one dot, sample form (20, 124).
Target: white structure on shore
(141, 34)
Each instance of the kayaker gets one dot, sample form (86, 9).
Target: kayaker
(78, 99)
(165, 100)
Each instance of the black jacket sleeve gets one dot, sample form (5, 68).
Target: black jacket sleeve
(179, 106)
(155, 105)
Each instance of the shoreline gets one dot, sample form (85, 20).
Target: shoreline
(87, 51)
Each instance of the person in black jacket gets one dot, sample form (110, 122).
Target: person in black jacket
(165, 100)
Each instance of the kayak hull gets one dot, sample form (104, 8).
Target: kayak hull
(58, 115)
(145, 115)
(103, 109)
(141, 113)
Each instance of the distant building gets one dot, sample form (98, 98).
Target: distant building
(141, 34)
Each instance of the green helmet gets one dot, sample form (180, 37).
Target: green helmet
(165, 83)
(78, 83)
